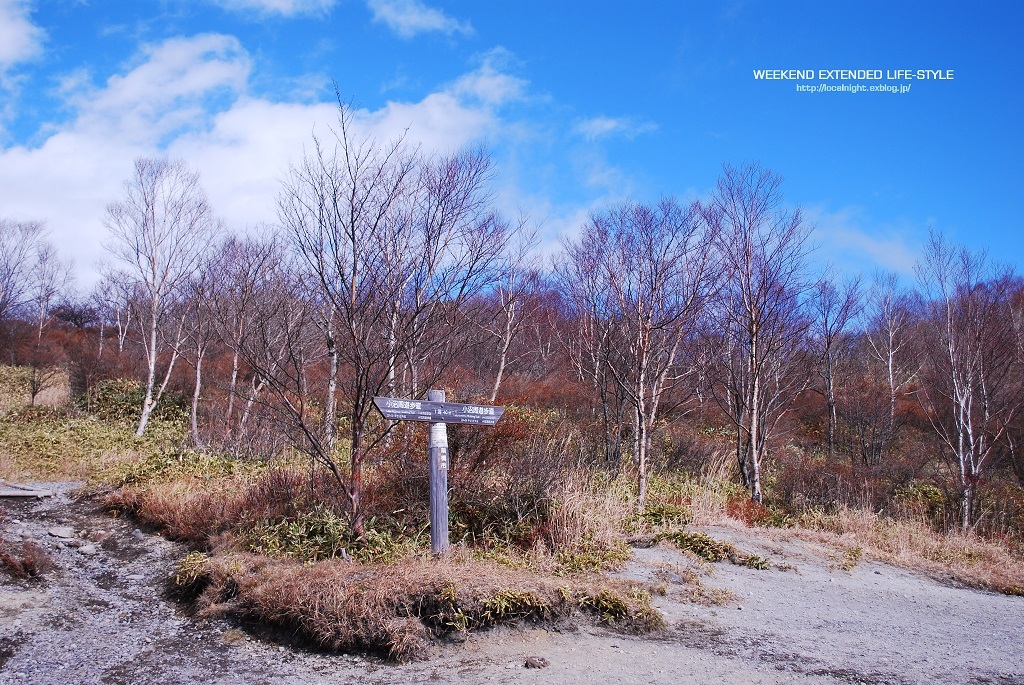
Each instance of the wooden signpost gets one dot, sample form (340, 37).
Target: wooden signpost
(438, 413)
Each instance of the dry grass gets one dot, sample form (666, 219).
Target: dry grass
(42, 443)
(15, 393)
(190, 510)
(709, 497)
(585, 510)
(24, 560)
(963, 558)
(688, 581)
(396, 609)
(714, 490)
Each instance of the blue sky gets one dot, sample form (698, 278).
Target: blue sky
(581, 104)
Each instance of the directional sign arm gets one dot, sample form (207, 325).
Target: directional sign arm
(399, 409)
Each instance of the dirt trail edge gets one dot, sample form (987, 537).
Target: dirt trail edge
(99, 617)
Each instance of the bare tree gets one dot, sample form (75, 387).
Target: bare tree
(199, 298)
(282, 345)
(49, 278)
(757, 345)
(248, 271)
(394, 244)
(508, 305)
(656, 269)
(969, 387)
(19, 241)
(159, 232)
(834, 309)
(889, 319)
(588, 337)
(113, 296)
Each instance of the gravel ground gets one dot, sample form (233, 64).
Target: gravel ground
(99, 617)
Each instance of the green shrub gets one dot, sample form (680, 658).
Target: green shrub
(700, 544)
(121, 400)
(14, 386)
(755, 562)
(589, 556)
(179, 462)
(663, 513)
(320, 533)
(191, 576)
(922, 500)
(610, 606)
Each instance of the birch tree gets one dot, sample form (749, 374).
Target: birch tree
(158, 232)
(969, 389)
(834, 309)
(655, 272)
(588, 336)
(248, 272)
(889, 320)
(757, 349)
(50, 276)
(503, 311)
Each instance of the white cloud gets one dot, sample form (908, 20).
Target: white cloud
(170, 89)
(20, 39)
(490, 82)
(606, 127)
(286, 8)
(410, 17)
(188, 98)
(848, 240)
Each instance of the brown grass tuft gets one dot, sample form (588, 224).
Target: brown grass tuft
(395, 609)
(27, 560)
(963, 557)
(189, 510)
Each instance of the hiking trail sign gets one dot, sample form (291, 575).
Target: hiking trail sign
(438, 413)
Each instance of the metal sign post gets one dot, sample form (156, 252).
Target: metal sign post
(438, 414)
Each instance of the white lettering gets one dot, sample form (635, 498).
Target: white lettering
(403, 404)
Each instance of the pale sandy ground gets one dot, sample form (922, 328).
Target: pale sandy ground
(101, 619)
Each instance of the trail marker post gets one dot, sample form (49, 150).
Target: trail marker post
(438, 414)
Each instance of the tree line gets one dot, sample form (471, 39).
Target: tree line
(388, 271)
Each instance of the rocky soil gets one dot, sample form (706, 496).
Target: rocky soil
(100, 616)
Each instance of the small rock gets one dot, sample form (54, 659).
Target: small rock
(674, 577)
(878, 573)
(138, 534)
(136, 576)
(63, 532)
(536, 662)
(99, 535)
(88, 550)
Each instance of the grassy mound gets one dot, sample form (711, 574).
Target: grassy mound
(396, 609)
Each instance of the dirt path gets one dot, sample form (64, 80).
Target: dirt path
(100, 618)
